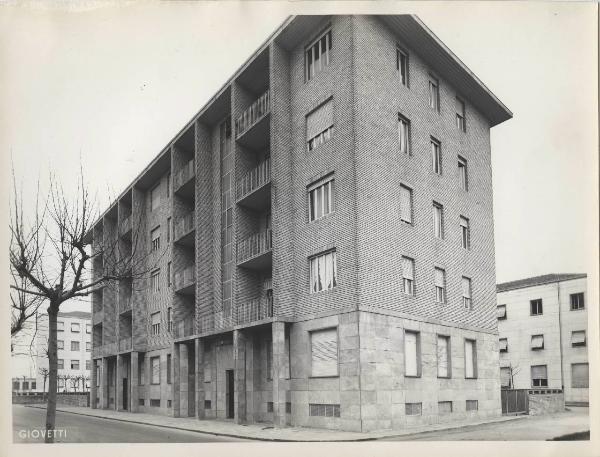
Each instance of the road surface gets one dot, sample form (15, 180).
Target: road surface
(28, 422)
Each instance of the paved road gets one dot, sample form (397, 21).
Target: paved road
(85, 429)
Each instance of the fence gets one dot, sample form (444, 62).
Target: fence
(514, 401)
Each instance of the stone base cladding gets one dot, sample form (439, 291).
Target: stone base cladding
(70, 399)
(545, 403)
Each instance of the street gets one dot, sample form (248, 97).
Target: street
(28, 422)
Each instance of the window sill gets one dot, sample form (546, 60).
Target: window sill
(413, 376)
(333, 376)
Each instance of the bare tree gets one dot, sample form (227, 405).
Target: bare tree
(513, 371)
(23, 305)
(44, 373)
(50, 256)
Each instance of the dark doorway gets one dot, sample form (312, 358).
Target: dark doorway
(229, 393)
(125, 396)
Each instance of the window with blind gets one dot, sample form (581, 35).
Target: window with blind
(155, 237)
(317, 55)
(505, 377)
(319, 125)
(406, 209)
(320, 198)
(472, 405)
(537, 342)
(436, 156)
(323, 272)
(536, 307)
(465, 233)
(444, 407)
(501, 312)
(408, 275)
(412, 356)
(466, 293)
(434, 93)
(324, 352)
(155, 323)
(503, 344)
(155, 197)
(440, 285)
(402, 66)
(461, 122)
(443, 357)
(578, 338)
(438, 220)
(577, 301)
(155, 281)
(155, 370)
(539, 376)
(412, 409)
(580, 375)
(470, 359)
(404, 134)
(462, 173)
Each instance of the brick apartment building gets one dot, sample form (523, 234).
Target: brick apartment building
(542, 326)
(329, 261)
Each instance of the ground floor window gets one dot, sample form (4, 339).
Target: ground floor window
(580, 375)
(539, 376)
(324, 410)
(412, 409)
(472, 405)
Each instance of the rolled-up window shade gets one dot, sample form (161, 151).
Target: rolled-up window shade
(439, 277)
(466, 287)
(405, 204)
(501, 311)
(537, 341)
(407, 268)
(539, 372)
(319, 120)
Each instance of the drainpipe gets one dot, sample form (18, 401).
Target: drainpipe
(560, 339)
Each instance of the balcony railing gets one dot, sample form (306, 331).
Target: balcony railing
(254, 179)
(185, 225)
(185, 278)
(255, 245)
(206, 323)
(254, 310)
(184, 328)
(125, 344)
(109, 349)
(125, 303)
(126, 225)
(97, 316)
(184, 175)
(252, 115)
(223, 320)
(97, 351)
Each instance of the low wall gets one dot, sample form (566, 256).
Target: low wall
(69, 399)
(546, 401)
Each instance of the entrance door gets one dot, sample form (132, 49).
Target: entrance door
(229, 393)
(125, 392)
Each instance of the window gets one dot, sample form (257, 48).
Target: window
(536, 307)
(155, 236)
(438, 220)
(436, 156)
(288, 407)
(61, 364)
(142, 372)
(169, 282)
(323, 272)
(155, 370)
(269, 406)
(472, 405)
(434, 93)
(16, 385)
(155, 197)
(324, 410)
(154, 281)
(169, 319)
(466, 293)
(74, 327)
(577, 301)
(88, 364)
(168, 368)
(443, 356)
(578, 338)
(444, 407)
(404, 134)
(74, 345)
(319, 125)
(33, 385)
(412, 354)
(408, 275)
(412, 409)
(141, 401)
(74, 364)
(503, 344)
(470, 359)
(461, 122)
(98, 374)
(440, 285)
(320, 199)
(402, 66)
(155, 322)
(463, 178)
(539, 376)
(155, 402)
(537, 342)
(501, 312)
(324, 352)
(317, 55)
(60, 344)
(505, 377)
(60, 326)
(207, 404)
(580, 373)
(88, 328)
(465, 233)
(169, 225)
(406, 204)
(269, 347)
(25, 385)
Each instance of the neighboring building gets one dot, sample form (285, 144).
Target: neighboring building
(324, 236)
(542, 326)
(24, 385)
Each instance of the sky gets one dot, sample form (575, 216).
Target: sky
(107, 85)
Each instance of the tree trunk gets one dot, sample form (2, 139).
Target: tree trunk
(53, 372)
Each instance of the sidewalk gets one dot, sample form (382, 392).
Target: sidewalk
(266, 432)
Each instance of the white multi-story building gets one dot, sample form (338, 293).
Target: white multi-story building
(542, 326)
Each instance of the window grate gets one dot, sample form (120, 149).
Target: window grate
(324, 410)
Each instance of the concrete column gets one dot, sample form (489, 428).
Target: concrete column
(175, 380)
(199, 370)
(239, 376)
(279, 374)
(104, 384)
(119, 384)
(133, 383)
(183, 380)
(93, 389)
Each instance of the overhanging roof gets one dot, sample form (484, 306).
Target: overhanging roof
(538, 281)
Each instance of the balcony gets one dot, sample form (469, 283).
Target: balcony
(125, 344)
(125, 304)
(254, 189)
(252, 126)
(185, 281)
(109, 349)
(184, 230)
(125, 227)
(254, 252)
(206, 323)
(184, 328)
(96, 351)
(223, 321)
(97, 316)
(254, 310)
(183, 181)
